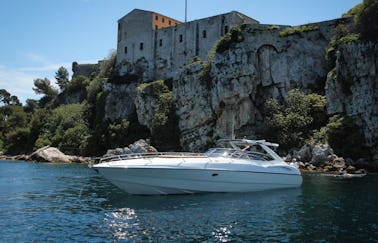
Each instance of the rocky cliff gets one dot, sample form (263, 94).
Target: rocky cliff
(352, 88)
(225, 95)
(264, 65)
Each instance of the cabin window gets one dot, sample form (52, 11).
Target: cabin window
(125, 49)
(204, 34)
(141, 46)
(180, 38)
(160, 42)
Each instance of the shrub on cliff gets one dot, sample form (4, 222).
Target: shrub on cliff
(297, 30)
(296, 121)
(232, 37)
(164, 122)
(345, 138)
(367, 20)
(78, 83)
(364, 27)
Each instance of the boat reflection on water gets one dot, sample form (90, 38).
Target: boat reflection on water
(202, 217)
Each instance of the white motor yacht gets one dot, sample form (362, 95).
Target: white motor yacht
(235, 165)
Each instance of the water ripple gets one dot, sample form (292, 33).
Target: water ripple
(70, 203)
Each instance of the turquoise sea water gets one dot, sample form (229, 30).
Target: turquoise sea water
(70, 203)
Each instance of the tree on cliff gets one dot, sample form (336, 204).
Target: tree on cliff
(62, 78)
(295, 121)
(43, 86)
(367, 20)
(8, 99)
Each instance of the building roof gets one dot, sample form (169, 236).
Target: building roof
(150, 12)
(243, 16)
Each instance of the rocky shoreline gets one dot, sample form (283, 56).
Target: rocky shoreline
(321, 158)
(310, 158)
(50, 155)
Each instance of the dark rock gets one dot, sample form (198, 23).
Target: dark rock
(304, 154)
(140, 146)
(339, 163)
(320, 154)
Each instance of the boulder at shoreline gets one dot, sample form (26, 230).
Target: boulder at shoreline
(140, 146)
(54, 155)
(321, 158)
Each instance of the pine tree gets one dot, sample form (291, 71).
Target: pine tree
(61, 77)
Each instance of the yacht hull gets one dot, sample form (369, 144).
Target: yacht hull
(154, 181)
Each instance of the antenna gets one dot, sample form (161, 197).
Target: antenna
(186, 9)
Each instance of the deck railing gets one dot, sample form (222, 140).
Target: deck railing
(150, 155)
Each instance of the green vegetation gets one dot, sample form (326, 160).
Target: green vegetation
(360, 24)
(83, 128)
(302, 119)
(297, 30)
(62, 78)
(7, 99)
(164, 130)
(65, 128)
(78, 83)
(296, 121)
(346, 138)
(272, 27)
(44, 87)
(230, 39)
(366, 19)
(74, 128)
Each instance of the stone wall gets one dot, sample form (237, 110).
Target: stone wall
(165, 51)
(84, 69)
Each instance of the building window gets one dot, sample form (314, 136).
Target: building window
(163, 20)
(119, 31)
(204, 34)
(156, 17)
(125, 49)
(180, 38)
(160, 42)
(169, 22)
(141, 46)
(226, 29)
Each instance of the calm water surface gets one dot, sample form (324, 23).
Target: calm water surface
(71, 203)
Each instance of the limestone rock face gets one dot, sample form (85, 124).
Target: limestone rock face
(192, 98)
(75, 97)
(148, 102)
(119, 100)
(352, 89)
(265, 65)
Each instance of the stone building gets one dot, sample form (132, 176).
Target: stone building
(84, 69)
(155, 46)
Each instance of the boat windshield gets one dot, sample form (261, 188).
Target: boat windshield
(239, 154)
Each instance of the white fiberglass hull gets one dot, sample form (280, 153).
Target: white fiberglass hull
(150, 181)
